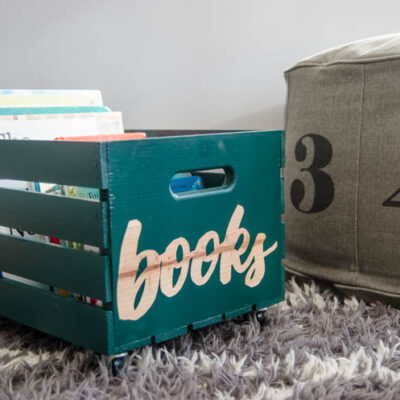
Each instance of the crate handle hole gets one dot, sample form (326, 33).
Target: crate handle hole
(197, 181)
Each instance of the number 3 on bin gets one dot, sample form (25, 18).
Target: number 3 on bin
(323, 184)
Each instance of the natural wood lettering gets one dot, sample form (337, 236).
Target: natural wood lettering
(129, 283)
(169, 263)
(159, 270)
(200, 256)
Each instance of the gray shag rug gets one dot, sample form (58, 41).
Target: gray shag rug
(315, 345)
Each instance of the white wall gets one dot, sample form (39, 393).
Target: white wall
(179, 63)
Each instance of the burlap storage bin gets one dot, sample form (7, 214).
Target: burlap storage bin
(342, 180)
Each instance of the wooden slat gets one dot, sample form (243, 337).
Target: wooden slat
(83, 221)
(74, 270)
(64, 317)
(79, 164)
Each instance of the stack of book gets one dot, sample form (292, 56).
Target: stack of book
(46, 115)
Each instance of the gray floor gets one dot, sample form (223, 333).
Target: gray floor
(314, 345)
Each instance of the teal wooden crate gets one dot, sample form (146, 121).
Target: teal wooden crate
(168, 263)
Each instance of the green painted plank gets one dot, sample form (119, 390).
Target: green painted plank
(83, 221)
(162, 337)
(74, 270)
(72, 163)
(208, 321)
(64, 317)
(148, 166)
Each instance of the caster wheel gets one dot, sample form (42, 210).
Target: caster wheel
(260, 315)
(117, 364)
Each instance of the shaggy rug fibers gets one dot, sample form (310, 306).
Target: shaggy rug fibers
(314, 345)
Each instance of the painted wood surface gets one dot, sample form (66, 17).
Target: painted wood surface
(77, 271)
(79, 164)
(149, 226)
(64, 317)
(83, 221)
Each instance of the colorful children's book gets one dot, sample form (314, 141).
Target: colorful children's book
(43, 115)
(49, 126)
(52, 110)
(104, 138)
(186, 184)
(49, 98)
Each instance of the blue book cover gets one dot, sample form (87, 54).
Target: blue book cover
(52, 110)
(186, 184)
